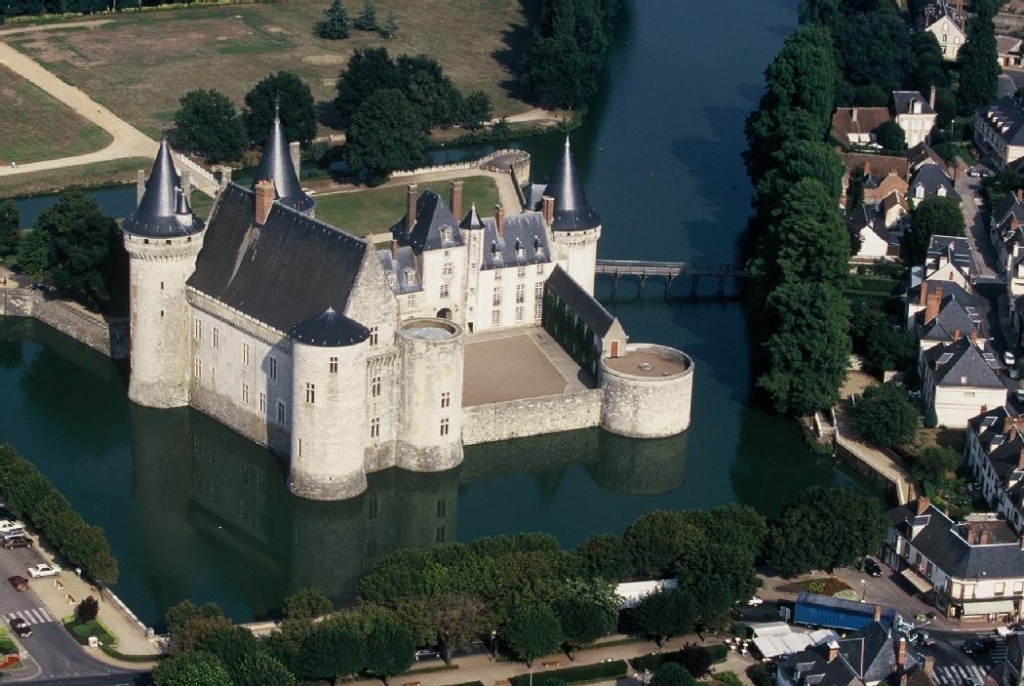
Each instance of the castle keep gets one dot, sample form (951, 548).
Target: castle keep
(348, 359)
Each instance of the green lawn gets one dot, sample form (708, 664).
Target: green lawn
(377, 209)
(90, 175)
(82, 631)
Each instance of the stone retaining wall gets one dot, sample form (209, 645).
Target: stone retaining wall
(531, 417)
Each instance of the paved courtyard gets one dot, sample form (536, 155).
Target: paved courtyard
(512, 365)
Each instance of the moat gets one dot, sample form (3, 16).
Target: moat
(195, 511)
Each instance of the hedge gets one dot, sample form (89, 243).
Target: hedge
(718, 653)
(578, 675)
(31, 495)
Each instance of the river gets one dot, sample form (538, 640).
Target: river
(194, 511)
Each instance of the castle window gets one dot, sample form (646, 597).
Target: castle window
(198, 368)
(375, 387)
(371, 509)
(1000, 588)
(538, 291)
(281, 412)
(161, 285)
(519, 313)
(444, 426)
(538, 309)
(497, 275)
(496, 318)
(216, 337)
(310, 393)
(447, 269)
(521, 272)
(375, 427)
(496, 299)
(373, 335)
(410, 277)
(439, 535)
(300, 447)
(263, 402)
(245, 394)
(446, 399)
(272, 368)
(444, 290)
(521, 293)
(198, 331)
(540, 268)
(245, 354)
(412, 301)
(161, 314)
(333, 365)
(442, 507)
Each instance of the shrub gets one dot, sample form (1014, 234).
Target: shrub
(602, 671)
(87, 610)
(760, 675)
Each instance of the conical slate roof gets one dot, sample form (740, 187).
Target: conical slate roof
(572, 211)
(472, 220)
(276, 166)
(329, 330)
(157, 215)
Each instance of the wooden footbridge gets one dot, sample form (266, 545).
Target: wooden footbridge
(669, 271)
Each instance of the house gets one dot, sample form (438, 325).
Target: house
(930, 181)
(972, 570)
(855, 126)
(948, 258)
(922, 154)
(944, 308)
(947, 24)
(879, 176)
(1008, 671)
(961, 378)
(994, 452)
(1008, 49)
(877, 242)
(999, 131)
(1004, 228)
(914, 114)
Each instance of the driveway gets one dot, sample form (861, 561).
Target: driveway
(977, 233)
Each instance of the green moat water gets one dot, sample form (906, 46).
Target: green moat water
(195, 511)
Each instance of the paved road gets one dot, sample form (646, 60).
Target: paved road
(128, 141)
(974, 218)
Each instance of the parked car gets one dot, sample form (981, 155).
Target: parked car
(872, 568)
(1009, 359)
(17, 542)
(21, 627)
(979, 646)
(20, 583)
(427, 654)
(755, 601)
(42, 569)
(973, 172)
(919, 637)
(7, 526)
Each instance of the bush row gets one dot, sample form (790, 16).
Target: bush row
(579, 675)
(32, 496)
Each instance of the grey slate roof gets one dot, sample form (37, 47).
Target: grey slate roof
(927, 182)
(958, 309)
(811, 668)
(993, 435)
(524, 240)
(471, 221)
(579, 301)
(867, 217)
(329, 330)
(961, 363)
(922, 154)
(287, 271)
(903, 102)
(1007, 208)
(572, 211)
(276, 166)
(163, 211)
(433, 218)
(1006, 119)
(955, 250)
(940, 541)
(401, 269)
(871, 652)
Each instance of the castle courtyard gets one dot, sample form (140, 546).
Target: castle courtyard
(515, 364)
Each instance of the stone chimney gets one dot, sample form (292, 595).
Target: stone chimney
(394, 250)
(923, 297)
(1011, 435)
(877, 616)
(931, 98)
(410, 207)
(929, 660)
(1022, 542)
(1020, 459)
(499, 220)
(922, 505)
(295, 152)
(547, 208)
(901, 653)
(264, 200)
(853, 114)
(956, 335)
(972, 535)
(833, 650)
(931, 306)
(455, 199)
(983, 537)
(140, 187)
(974, 339)
(867, 169)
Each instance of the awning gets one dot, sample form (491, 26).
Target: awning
(991, 607)
(916, 580)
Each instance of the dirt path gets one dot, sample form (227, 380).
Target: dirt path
(127, 140)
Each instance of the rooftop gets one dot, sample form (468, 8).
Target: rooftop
(646, 363)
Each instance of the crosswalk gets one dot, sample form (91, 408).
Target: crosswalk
(37, 615)
(955, 675)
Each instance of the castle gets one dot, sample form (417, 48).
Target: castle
(348, 359)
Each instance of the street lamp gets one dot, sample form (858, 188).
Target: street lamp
(863, 589)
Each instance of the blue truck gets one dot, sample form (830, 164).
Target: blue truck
(825, 611)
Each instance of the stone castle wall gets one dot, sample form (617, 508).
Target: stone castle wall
(531, 417)
(645, 406)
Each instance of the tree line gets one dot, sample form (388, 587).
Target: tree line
(20, 8)
(526, 596)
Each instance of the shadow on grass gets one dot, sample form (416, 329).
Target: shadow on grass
(517, 40)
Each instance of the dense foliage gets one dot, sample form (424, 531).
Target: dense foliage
(885, 416)
(288, 96)
(935, 463)
(385, 135)
(335, 24)
(933, 217)
(978, 58)
(10, 221)
(208, 124)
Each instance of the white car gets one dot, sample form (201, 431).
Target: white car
(755, 601)
(6, 526)
(1009, 359)
(42, 569)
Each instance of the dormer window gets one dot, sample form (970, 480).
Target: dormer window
(446, 234)
(410, 276)
(391, 280)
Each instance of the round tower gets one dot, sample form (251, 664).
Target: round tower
(328, 419)
(575, 225)
(430, 410)
(163, 239)
(647, 391)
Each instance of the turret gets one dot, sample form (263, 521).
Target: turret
(329, 432)
(162, 238)
(575, 226)
(277, 167)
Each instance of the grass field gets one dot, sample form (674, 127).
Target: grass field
(44, 128)
(139, 65)
(375, 210)
(89, 175)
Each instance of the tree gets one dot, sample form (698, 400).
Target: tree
(87, 610)
(662, 615)
(532, 631)
(891, 136)
(456, 619)
(208, 124)
(935, 463)
(824, 528)
(477, 110)
(188, 624)
(232, 644)
(803, 75)
(261, 669)
(978, 58)
(588, 612)
(432, 94)
(884, 347)
(369, 70)
(390, 647)
(607, 557)
(286, 94)
(885, 416)
(390, 27)
(33, 256)
(191, 668)
(873, 48)
(306, 603)
(333, 649)
(10, 223)
(655, 541)
(935, 216)
(367, 19)
(672, 674)
(696, 659)
(335, 23)
(385, 135)
(808, 349)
